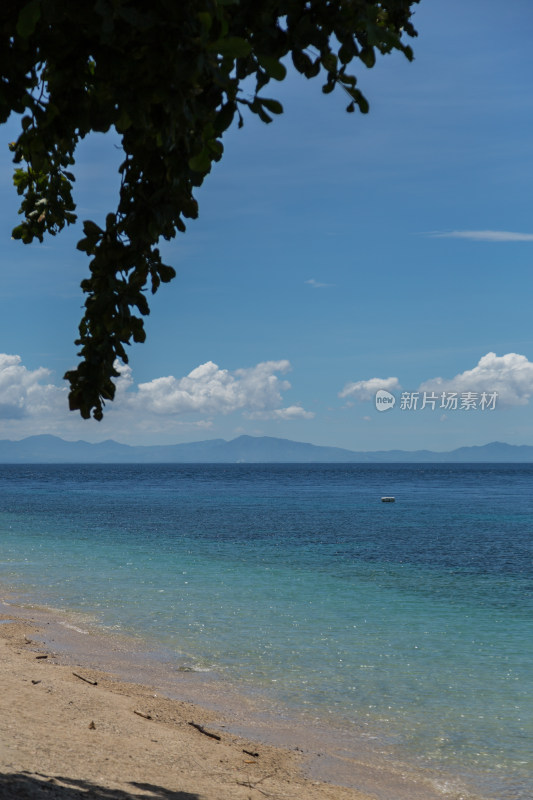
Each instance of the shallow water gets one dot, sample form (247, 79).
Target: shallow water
(408, 623)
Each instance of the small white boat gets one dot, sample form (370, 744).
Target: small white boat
(388, 499)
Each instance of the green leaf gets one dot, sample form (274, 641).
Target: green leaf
(166, 273)
(359, 98)
(206, 20)
(263, 116)
(232, 47)
(368, 57)
(363, 104)
(201, 162)
(347, 52)
(274, 68)
(257, 108)
(273, 105)
(90, 228)
(216, 148)
(225, 117)
(18, 232)
(28, 19)
(330, 62)
(123, 122)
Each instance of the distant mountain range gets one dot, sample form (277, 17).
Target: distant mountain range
(48, 449)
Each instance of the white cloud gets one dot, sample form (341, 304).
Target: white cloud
(125, 379)
(317, 285)
(291, 412)
(366, 390)
(486, 236)
(31, 404)
(211, 390)
(22, 393)
(510, 375)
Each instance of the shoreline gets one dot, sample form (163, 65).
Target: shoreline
(47, 712)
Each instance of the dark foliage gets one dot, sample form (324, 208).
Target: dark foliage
(167, 76)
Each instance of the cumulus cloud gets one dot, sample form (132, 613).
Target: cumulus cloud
(366, 390)
(125, 377)
(486, 236)
(22, 391)
(510, 375)
(208, 389)
(291, 412)
(30, 403)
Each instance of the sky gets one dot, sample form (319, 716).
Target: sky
(335, 256)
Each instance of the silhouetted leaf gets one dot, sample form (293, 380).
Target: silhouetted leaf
(274, 68)
(28, 18)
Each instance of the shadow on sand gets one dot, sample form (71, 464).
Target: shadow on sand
(29, 786)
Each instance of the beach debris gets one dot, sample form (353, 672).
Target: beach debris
(250, 753)
(206, 733)
(142, 714)
(92, 726)
(87, 680)
(255, 785)
(43, 656)
(36, 682)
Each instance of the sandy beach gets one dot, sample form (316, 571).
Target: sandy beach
(63, 737)
(69, 731)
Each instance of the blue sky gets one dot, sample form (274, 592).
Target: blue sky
(332, 250)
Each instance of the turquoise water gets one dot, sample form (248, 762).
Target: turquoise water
(411, 621)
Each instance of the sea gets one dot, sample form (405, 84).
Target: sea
(408, 624)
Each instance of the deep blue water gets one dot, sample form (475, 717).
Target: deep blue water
(409, 620)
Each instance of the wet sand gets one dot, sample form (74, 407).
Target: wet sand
(85, 715)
